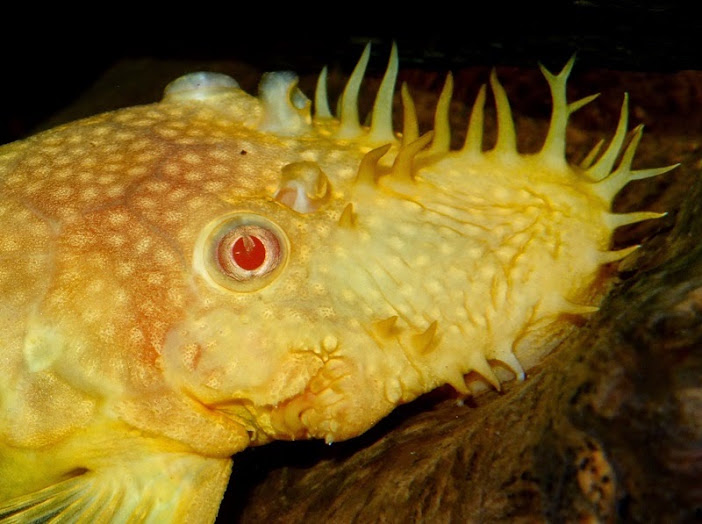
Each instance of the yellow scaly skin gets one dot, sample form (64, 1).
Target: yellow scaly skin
(139, 353)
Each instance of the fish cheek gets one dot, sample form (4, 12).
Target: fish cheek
(219, 357)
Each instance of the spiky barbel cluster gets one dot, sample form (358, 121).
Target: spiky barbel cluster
(597, 171)
(285, 105)
(407, 166)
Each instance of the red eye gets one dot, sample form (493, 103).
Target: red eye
(241, 252)
(248, 252)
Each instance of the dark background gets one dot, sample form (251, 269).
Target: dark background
(50, 58)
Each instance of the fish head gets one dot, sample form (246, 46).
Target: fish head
(225, 264)
(280, 334)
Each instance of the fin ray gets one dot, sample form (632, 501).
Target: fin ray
(163, 488)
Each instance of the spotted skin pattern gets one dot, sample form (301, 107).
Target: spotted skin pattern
(185, 279)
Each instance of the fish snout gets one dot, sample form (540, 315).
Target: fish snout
(339, 403)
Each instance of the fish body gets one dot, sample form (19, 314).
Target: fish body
(185, 279)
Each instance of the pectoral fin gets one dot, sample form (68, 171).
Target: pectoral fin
(172, 487)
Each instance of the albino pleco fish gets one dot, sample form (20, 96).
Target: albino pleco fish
(185, 279)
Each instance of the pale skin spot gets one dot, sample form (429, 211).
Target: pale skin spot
(219, 154)
(165, 257)
(67, 215)
(62, 192)
(421, 261)
(157, 186)
(89, 193)
(147, 307)
(192, 158)
(446, 249)
(103, 130)
(213, 186)
(115, 241)
(63, 160)
(178, 194)
(14, 180)
(326, 312)
(52, 146)
(137, 171)
(171, 169)
(108, 332)
(434, 287)
(125, 269)
(117, 218)
(195, 203)
(144, 202)
(219, 169)
(396, 243)
(114, 191)
(62, 174)
(146, 156)
(155, 279)
(34, 187)
(113, 167)
(85, 176)
(153, 114)
(193, 134)
(143, 122)
(139, 144)
(9, 244)
(501, 194)
(311, 156)
(123, 136)
(167, 132)
(348, 295)
(108, 148)
(90, 316)
(142, 245)
(175, 297)
(173, 217)
(34, 161)
(136, 336)
(193, 176)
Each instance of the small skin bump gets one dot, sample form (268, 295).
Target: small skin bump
(424, 342)
(348, 217)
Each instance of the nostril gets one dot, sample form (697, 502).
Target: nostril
(304, 187)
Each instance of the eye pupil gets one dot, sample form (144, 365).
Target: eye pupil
(248, 252)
